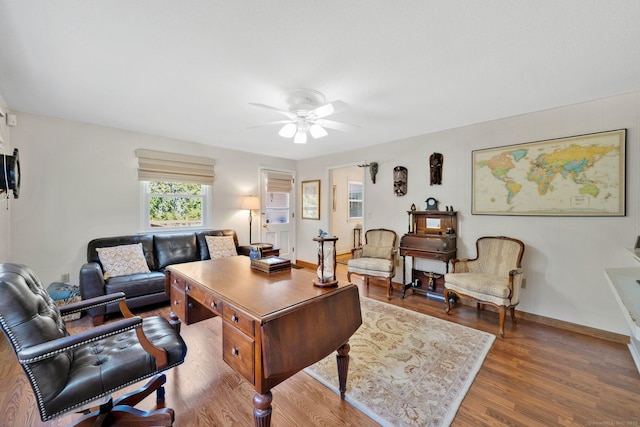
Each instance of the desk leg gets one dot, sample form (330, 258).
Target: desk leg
(343, 366)
(262, 409)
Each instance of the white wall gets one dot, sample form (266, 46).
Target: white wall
(5, 202)
(79, 182)
(564, 257)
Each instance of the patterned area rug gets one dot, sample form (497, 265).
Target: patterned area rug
(407, 368)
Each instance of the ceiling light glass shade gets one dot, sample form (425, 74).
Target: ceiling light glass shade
(288, 130)
(300, 138)
(317, 131)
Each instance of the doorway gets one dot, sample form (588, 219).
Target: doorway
(346, 210)
(276, 211)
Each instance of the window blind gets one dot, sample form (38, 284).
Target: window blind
(278, 182)
(162, 166)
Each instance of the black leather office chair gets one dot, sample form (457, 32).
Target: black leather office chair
(70, 373)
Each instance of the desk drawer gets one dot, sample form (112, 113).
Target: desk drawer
(178, 301)
(206, 299)
(238, 351)
(238, 319)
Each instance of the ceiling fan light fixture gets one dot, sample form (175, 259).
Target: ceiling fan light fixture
(300, 138)
(288, 130)
(317, 131)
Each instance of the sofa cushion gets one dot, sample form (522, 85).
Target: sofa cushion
(122, 260)
(175, 248)
(137, 284)
(221, 246)
(202, 242)
(103, 242)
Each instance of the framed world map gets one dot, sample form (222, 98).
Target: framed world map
(574, 176)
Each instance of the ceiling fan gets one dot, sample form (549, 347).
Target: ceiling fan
(306, 113)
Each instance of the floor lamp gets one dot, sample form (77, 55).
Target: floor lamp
(250, 203)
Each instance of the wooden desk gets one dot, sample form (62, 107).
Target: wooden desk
(273, 325)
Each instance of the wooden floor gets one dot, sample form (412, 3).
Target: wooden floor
(536, 376)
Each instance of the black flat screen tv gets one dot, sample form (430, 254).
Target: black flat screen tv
(10, 175)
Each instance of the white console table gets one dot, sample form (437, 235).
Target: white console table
(626, 289)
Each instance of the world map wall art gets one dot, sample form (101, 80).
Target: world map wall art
(573, 176)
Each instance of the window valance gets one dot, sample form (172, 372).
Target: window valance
(162, 166)
(278, 182)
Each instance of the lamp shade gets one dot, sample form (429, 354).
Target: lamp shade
(251, 203)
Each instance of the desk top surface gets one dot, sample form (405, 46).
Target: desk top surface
(261, 294)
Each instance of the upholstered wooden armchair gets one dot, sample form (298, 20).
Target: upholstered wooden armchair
(493, 277)
(376, 258)
(71, 373)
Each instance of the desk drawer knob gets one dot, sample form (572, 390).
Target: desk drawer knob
(234, 318)
(235, 351)
(214, 305)
(176, 302)
(188, 288)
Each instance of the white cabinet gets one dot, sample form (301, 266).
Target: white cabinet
(625, 283)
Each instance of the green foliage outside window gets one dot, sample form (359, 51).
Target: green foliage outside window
(174, 204)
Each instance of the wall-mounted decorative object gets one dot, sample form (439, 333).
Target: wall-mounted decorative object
(334, 199)
(373, 170)
(311, 199)
(435, 168)
(400, 174)
(574, 176)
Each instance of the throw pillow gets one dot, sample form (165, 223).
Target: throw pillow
(384, 252)
(122, 260)
(221, 246)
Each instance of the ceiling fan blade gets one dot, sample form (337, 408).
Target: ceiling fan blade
(270, 124)
(328, 109)
(279, 110)
(332, 124)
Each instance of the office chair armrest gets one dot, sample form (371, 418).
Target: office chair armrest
(52, 348)
(91, 303)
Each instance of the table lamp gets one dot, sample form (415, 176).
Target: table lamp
(250, 203)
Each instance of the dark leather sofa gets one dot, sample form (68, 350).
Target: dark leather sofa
(160, 250)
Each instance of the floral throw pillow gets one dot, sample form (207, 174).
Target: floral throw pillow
(123, 260)
(221, 246)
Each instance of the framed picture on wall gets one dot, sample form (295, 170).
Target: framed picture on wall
(311, 199)
(573, 176)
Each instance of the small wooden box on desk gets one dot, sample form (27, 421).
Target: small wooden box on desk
(432, 235)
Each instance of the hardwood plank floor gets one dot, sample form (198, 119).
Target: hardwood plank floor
(537, 375)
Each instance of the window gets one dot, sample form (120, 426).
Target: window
(277, 208)
(175, 205)
(355, 200)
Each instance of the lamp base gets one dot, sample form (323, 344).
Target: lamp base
(327, 284)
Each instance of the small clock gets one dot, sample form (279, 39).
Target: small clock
(432, 204)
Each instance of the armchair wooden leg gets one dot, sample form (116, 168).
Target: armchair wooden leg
(389, 288)
(447, 304)
(98, 320)
(502, 312)
(514, 319)
(349, 276)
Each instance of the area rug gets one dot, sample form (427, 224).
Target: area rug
(407, 368)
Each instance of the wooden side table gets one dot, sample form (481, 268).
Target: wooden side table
(270, 252)
(267, 249)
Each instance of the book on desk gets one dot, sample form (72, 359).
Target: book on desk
(271, 264)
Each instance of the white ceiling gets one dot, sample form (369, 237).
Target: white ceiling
(188, 69)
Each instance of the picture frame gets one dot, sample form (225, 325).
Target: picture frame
(580, 175)
(311, 199)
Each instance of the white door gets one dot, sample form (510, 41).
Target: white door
(277, 211)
